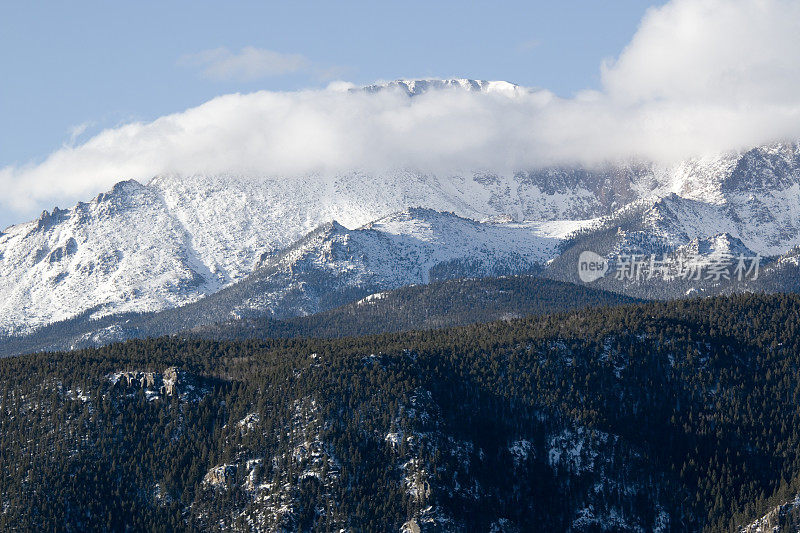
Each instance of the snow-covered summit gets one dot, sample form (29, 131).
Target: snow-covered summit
(416, 87)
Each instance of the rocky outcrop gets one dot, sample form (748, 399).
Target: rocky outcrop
(173, 381)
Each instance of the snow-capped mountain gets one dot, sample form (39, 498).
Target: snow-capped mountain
(333, 264)
(177, 239)
(123, 250)
(173, 240)
(766, 223)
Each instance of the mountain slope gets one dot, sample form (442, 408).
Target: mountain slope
(329, 267)
(122, 252)
(421, 307)
(784, 518)
(333, 265)
(655, 417)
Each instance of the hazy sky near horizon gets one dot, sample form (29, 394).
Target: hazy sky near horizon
(95, 92)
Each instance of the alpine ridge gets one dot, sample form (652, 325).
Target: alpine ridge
(146, 247)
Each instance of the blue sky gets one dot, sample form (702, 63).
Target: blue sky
(71, 69)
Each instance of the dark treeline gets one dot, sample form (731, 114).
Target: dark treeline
(683, 415)
(436, 305)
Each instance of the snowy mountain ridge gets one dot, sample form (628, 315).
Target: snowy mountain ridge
(176, 239)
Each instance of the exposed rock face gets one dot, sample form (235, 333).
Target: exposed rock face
(172, 381)
(137, 379)
(220, 476)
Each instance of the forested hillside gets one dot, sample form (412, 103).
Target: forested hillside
(458, 302)
(648, 417)
(440, 304)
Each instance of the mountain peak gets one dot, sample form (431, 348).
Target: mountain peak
(416, 87)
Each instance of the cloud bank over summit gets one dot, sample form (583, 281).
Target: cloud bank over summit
(699, 76)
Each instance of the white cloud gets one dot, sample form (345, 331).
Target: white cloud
(699, 76)
(248, 64)
(76, 131)
(711, 51)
